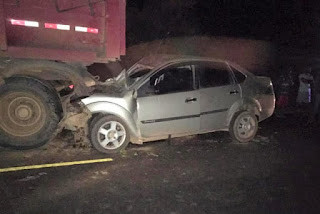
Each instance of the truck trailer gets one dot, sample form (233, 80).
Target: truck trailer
(45, 47)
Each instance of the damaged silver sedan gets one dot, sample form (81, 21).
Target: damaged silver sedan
(172, 96)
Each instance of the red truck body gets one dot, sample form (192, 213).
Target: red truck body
(85, 31)
(45, 46)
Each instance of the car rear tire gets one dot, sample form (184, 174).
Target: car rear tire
(109, 134)
(30, 113)
(243, 127)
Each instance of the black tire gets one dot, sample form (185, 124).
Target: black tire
(97, 138)
(30, 113)
(241, 131)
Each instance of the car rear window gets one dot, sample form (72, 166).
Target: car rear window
(214, 75)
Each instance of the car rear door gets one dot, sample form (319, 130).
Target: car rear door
(168, 103)
(218, 92)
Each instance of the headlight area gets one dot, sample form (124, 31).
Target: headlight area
(77, 116)
(76, 120)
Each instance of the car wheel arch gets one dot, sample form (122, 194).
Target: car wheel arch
(107, 108)
(244, 105)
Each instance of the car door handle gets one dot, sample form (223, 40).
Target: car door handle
(189, 100)
(234, 92)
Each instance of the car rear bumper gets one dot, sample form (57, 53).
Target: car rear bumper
(267, 106)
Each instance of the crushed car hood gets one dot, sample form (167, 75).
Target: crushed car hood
(119, 99)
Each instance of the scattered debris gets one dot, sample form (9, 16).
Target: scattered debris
(101, 173)
(104, 172)
(32, 177)
(152, 154)
(256, 140)
(124, 154)
(265, 139)
(262, 140)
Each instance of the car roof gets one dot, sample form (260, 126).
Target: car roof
(159, 59)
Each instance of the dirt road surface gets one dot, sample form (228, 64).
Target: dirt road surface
(277, 173)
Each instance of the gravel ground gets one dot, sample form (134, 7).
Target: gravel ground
(277, 173)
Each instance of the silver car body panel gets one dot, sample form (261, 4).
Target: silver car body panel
(156, 117)
(120, 107)
(215, 106)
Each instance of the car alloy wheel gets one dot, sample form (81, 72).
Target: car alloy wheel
(111, 135)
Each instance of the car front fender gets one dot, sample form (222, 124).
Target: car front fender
(116, 110)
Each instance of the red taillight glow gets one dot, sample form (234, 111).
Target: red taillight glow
(24, 23)
(93, 30)
(86, 29)
(57, 26)
(71, 86)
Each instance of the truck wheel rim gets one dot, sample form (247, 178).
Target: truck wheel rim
(246, 126)
(23, 114)
(111, 135)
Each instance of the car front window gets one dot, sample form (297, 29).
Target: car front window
(169, 80)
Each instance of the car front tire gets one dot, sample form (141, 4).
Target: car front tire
(109, 134)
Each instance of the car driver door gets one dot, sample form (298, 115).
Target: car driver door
(168, 103)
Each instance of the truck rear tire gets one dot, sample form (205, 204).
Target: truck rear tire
(29, 115)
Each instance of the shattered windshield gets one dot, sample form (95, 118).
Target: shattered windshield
(135, 73)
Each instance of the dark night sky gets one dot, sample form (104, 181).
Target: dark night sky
(293, 23)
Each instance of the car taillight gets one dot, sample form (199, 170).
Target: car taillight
(269, 90)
